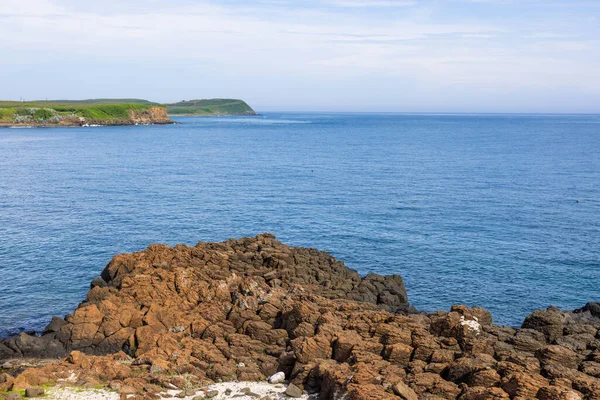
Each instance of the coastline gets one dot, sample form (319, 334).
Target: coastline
(215, 115)
(243, 310)
(86, 113)
(113, 112)
(76, 125)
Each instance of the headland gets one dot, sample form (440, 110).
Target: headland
(211, 108)
(104, 112)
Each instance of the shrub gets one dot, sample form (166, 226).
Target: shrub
(43, 114)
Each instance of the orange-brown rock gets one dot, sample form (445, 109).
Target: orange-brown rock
(558, 393)
(403, 391)
(245, 309)
(523, 384)
(481, 393)
(6, 382)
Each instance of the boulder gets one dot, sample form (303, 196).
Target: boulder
(558, 393)
(464, 368)
(548, 322)
(482, 393)
(593, 308)
(524, 385)
(6, 382)
(554, 354)
(528, 340)
(34, 392)
(403, 391)
(293, 391)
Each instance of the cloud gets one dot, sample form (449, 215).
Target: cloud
(428, 44)
(478, 35)
(371, 3)
(550, 35)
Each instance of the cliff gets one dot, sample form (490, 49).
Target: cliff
(245, 309)
(211, 108)
(81, 113)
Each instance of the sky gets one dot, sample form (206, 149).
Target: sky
(532, 56)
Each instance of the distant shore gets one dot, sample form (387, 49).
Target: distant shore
(113, 112)
(84, 125)
(81, 113)
(211, 108)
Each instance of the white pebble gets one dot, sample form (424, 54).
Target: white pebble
(277, 378)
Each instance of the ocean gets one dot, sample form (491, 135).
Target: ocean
(498, 211)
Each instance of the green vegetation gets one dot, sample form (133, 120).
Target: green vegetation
(111, 111)
(212, 107)
(71, 112)
(105, 101)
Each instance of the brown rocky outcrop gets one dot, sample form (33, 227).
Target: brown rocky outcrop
(245, 309)
(152, 115)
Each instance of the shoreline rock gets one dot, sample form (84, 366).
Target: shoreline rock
(244, 310)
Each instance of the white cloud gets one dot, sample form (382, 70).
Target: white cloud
(371, 3)
(432, 48)
(478, 36)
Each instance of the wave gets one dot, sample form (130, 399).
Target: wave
(248, 121)
(26, 139)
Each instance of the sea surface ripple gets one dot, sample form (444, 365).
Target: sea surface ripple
(499, 211)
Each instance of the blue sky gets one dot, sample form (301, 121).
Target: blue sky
(314, 55)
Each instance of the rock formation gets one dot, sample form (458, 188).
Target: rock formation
(152, 115)
(246, 309)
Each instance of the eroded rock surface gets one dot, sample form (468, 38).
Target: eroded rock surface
(246, 309)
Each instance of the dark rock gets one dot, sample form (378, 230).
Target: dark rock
(554, 354)
(593, 308)
(548, 322)
(55, 324)
(576, 342)
(98, 282)
(6, 352)
(34, 392)
(528, 340)
(31, 345)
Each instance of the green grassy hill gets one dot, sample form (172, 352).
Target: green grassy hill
(102, 101)
(79, 112)
(210, 107)
(113, 111)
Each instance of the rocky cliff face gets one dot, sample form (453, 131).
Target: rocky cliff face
(245, 309)
(153, 115)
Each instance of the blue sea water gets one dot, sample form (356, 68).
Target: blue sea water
(500, 211)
